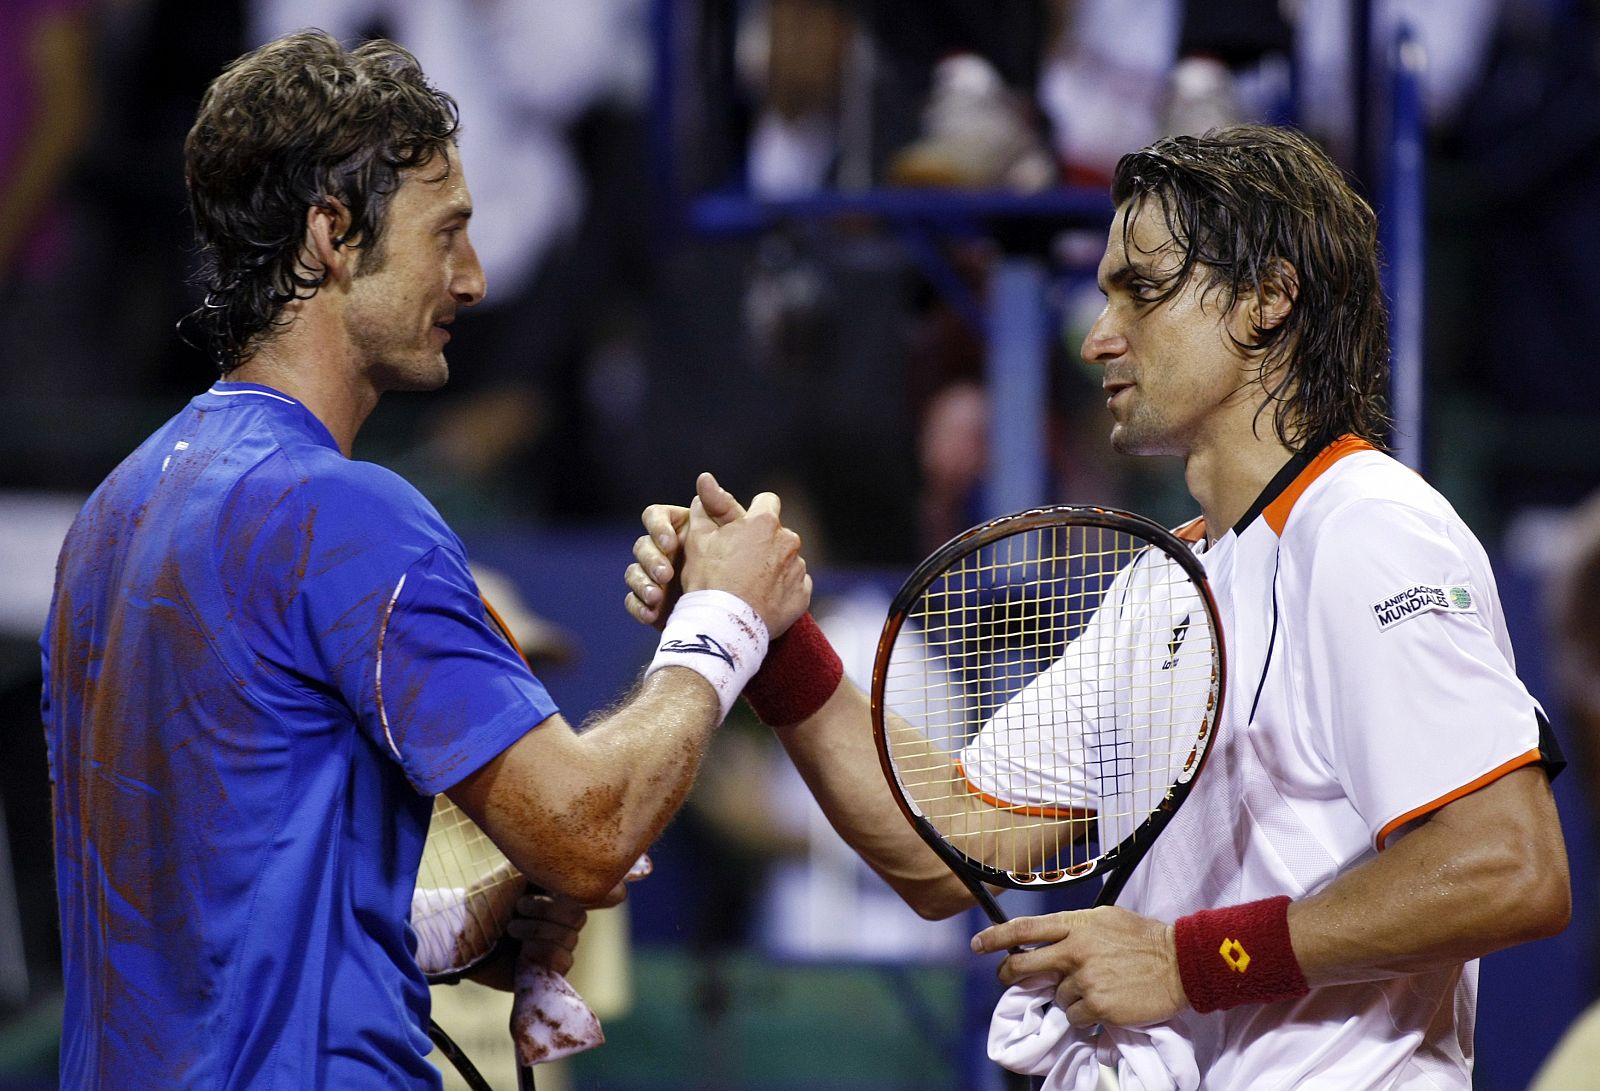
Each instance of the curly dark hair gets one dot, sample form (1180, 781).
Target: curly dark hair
(299, 123)
(1239, 202)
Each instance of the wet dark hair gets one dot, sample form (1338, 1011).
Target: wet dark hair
(299, 123)
(1241, 201)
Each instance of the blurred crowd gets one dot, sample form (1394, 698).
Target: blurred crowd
(578, 386)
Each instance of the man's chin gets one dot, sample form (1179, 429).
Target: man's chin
(1125, 441)
(418, 379)
(1131, 441)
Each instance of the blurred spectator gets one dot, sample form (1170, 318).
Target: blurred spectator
(1574, 590)
(1124, 73)
(1455, 40)
(796, 51)
(953, 453)
(976, 133)
(1103, 85)
(922, 92)
(103, 307)
(1514, 195)
(44, 115)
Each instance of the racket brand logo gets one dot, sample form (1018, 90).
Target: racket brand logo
(701, 645)
(1421, 599)
(1179, 631)
(1234, 954)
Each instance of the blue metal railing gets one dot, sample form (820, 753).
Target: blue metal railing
(1403, 244)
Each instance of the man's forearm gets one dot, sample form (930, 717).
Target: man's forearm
(836, 756)
(574, 811)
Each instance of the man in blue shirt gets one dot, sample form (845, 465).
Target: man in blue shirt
(264, 658)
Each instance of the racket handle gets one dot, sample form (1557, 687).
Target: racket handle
(1119, 879)
(469, 1072)
(986, 902)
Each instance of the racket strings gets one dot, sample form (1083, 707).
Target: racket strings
(1069, 671)
(466, 892)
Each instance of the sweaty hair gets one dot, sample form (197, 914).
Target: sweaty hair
(299, 123)
(1241, 201)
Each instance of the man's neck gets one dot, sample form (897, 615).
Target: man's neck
(321, 378)
(1226, 476)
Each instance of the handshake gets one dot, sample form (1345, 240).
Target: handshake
(723, 582)
(716, 544)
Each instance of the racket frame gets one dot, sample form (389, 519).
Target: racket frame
(1122, 858)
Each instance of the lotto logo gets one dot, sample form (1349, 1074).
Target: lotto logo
(1234, 954)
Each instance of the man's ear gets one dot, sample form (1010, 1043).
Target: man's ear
(324, 251)
(1276, 294)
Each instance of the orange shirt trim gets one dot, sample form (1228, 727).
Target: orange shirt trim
(1465, 790)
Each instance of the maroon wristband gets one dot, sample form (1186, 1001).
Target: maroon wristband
(1238, 955)
(801, 671)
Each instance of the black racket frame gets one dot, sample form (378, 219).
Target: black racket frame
(1123, 857)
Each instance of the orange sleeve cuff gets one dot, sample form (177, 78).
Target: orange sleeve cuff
(1030, 810)
(1488, 778)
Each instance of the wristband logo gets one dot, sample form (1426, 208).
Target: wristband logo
(1234, 954)
(703, 644)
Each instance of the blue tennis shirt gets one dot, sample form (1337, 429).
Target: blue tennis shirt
(262, 660)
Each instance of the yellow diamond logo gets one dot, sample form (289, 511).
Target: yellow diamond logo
(1234, 954)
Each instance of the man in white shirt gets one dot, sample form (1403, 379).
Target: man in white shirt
(1376, 813)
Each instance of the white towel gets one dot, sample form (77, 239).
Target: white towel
(549, 1020)
(1030, 1034)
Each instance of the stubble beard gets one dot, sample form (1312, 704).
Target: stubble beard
(390, 364)
(415, 371)
(1143, 434)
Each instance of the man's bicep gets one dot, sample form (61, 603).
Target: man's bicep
(1483, 872)
(1517, 809)
(1500, 848)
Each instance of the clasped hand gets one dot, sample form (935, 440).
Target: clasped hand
(715, 543)
(1113, 967)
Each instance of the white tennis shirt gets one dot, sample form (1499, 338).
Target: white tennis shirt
(1371, 681)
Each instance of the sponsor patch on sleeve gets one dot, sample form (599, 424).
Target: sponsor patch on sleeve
(1425, 597)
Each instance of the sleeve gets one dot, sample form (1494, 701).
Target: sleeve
(1413, 696)
(1012, 764)
(46, 706)
(388, 616)
(1043, 752)
(449, 692)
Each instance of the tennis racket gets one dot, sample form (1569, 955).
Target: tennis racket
(466, 895)
(1045, 692)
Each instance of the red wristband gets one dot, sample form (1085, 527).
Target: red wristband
(801, 671)
(1238, 955)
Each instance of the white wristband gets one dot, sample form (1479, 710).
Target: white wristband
(717, 635)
